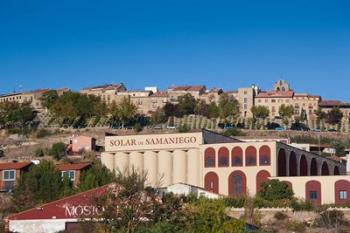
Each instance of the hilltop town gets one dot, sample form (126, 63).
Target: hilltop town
(274, 160)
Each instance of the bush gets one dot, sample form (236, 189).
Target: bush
(42, 133)
(184, 128)
(138, 127)
(2, 153)
(58, 150)
(275, 190)
(280, 216)
(235, 202)
(39, 152)
(233, 132)
(296, 226)
(298, 205)
(331, 219)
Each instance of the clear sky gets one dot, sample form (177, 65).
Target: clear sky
(227, 44)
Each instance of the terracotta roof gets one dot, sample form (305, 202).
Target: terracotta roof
(14, 165)
(160, 94)
(105, 87)
(72, 166)
(276, 94)
(306, 95)
(333, 103)
(188, 88)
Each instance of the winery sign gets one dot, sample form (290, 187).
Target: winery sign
(157, 141)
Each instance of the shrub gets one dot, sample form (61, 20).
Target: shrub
(280, 216)
(295, 226)
(39, 152)
(275, 190)
(331, 219)
(138, 127)
(233, 132)
(301, 205)
(2, 153)
(235, 202)
(42, 133)
(184, 128)
(58, 150)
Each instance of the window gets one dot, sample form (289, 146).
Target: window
(209, 162)
(9, 175)
(313, 195)
(245, 100)
(69, 174)
(237, 161)
(237, 184)
(273, 101)
(223, 161)
(343, 195)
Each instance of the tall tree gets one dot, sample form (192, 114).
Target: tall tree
(186, 105)
(286, 112)
(49, 98)
(159, 116)
(228, 106)
(334, 116)
(97, 175)
(201, 108)
(260, 112)
(125, 111)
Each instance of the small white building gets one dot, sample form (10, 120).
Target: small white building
(187, 189)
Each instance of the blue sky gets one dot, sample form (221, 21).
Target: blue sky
(228, 44)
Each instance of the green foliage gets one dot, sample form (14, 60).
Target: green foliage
(340, 147)
(233, 132)
(124, 112)
(49, 98)
(74, 109)
(138, 127)
(159, 117)
(228, 106)
(15, 115)
(43, 133)
(43, 183)
(275, 190)
(39, 152)
(202, 108)
(280, 216)
(58, 150)
(213, 110)
(2, 153)
(260, 112)
(97, 175)
(334, 116)
(286, 111)
(184, 128)
(186, 105)
(296, 226)
(299, 205)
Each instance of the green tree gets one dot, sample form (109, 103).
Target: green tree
(303, 115)
(286, 112)
(15, 115)
(202, 108)
(260, 112)
(97, 175)
(213, 110)
(159, 117)
(169, 109)
(334, 116)
(43, 183)
(125, 111)
(228, 106)
(58, 150)
(49, 98)
(186, 105)
(275, 190)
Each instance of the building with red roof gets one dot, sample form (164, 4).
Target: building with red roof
(10, 173)
(73, 170)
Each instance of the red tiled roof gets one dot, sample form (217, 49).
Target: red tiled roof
(72, 166)
(14, 165)
(105, 87)
(160, 94)
(276, 94)
(330, 102)
(187, 88)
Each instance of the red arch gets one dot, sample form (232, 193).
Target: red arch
(211, 182)
(250, 156)
(209, 157)
(232, 189)
(342, 186)
(261, 177)
(237, 157)
(313, 186)
(223, 157)
(264, 156)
